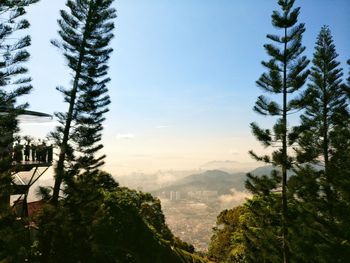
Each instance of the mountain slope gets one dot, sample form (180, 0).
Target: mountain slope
(214, 180)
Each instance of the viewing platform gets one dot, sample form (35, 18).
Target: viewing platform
(27, 166)
(31, 158)
(29, 163)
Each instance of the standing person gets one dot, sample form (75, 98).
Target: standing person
(33, 150)
(18, 153)
(15, 153)
(49, 153)
(44, 152)
(26, 152)
(38, 152)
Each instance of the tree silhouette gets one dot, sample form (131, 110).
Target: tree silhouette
(325, 109)
(14, 83)
(285, 75)
(85, 31)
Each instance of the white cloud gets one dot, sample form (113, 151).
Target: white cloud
(125, 136)
(234, 199)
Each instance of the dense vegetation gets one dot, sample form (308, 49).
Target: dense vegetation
(98, 221)
(14, 82)
(303, 217)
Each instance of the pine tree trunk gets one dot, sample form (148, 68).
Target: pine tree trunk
(284, 157)
(326, 149)
(64, 144)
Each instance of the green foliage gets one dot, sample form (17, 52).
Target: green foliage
(263, 185)
(347, 87)
(324, 138)
(14, 82)
(318, 195)
(86, 31)
(186, 257)
(98, 221)
(326, 102)
(13, 239)
(262, 235)
(308, 236)
(286, 74)
(228, 230)
(249, 233)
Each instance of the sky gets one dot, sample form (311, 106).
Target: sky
(183, 77)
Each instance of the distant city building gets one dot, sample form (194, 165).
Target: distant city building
(172, 195)
(175, 195)
(210, 193)
(202, 194)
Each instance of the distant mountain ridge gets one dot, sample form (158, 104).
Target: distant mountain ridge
(213, 180)
(228, 166)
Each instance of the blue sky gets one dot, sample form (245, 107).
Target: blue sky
(183, 76)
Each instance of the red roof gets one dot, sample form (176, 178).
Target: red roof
(35, 207)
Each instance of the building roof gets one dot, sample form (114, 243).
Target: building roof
(29, 116)
(35, 207)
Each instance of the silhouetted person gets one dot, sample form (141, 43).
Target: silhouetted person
(33, 148)
(49, 153)
(39, 152)
(18, 155)
(26, 152)
(43, 153)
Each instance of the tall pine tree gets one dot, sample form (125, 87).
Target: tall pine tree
(85, 31)
(14, 83)
(323, 139)
(347, 87)
(285, 75)
(325, 110)
(339, 179)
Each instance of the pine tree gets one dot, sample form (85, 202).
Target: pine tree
(347, 87)
(349, 73)
(285, 75)
(85, 31)
(325, 108)
(323, 140)
(262, 222)
(14, 83)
